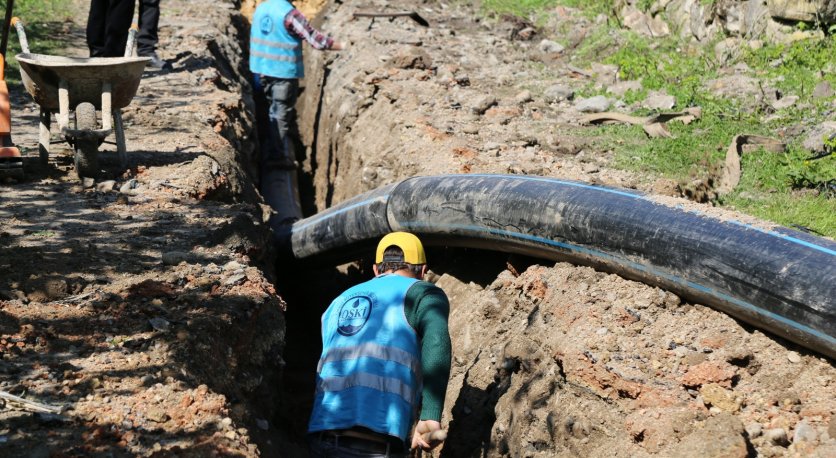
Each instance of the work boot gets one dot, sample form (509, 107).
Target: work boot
(157, 63)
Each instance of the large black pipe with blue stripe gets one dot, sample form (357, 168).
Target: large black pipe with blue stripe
(779, 280)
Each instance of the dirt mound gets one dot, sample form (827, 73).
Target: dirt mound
(557, 360)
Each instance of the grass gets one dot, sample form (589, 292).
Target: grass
(43, 20)
(789, 189)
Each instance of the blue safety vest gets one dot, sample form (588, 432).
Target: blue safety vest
(273, 50)
(369, 373)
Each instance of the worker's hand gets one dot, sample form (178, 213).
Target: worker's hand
(338, 46)
(420, 437)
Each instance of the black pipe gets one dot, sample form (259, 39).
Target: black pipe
(780, 280)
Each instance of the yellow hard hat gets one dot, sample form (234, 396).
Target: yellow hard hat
(413, 251)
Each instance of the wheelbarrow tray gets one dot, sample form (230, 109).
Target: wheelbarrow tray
(41, 75)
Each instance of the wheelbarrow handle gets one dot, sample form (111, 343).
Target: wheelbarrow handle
(21, 34)
(129, 47)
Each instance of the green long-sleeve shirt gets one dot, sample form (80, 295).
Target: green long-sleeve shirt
(427, 310)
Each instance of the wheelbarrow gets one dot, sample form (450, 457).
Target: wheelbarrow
(106, 84)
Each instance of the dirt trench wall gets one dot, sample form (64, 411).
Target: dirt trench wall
(148, 307)
(549, 360)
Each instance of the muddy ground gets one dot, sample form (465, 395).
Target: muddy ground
(153, 310)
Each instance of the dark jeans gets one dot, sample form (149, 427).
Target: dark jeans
(107, 27)
(149, 20)
(328, 448)
(278, 136)
(278, 147)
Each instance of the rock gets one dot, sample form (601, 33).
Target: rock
(727, 50)
(262, 424)
(605, 74)
(173, 258)
(591, 168)
(160, 324)
(128, 186)
(815, 139)
(823, 90)
(549, 46)
(558, 92)
(622, 87)
(709, 372)
(818, 11)
(720, 397)
(489, 146)
(471, 129)
(235, 279)
(232, 266)
(596, 104)
(157, 415)
(523, 97)
(785, 102)
(659, 101)
(755, 45)
(721, 436)
(754, 430)
(482, 104)
(755, 21)
(643, 24)
(735, 86)
(414, 58)
(793, 357)
(777, 436)
(106, 186)
(147, 380)
(804, 433)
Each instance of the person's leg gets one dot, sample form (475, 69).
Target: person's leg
(149, 20)
(277, 175)
(96, 21)
(282, 94)
(119, 18)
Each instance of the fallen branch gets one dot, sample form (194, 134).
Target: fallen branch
(731, 168)
(31, 406)
(654, 126)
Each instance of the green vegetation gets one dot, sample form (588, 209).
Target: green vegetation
(792, 189)
(43, 20)
(521, 8)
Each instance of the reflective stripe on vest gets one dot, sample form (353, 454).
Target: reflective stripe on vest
(274, 51)
(371, 350)
(375, 382)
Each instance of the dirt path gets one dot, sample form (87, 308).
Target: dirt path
(138, 305)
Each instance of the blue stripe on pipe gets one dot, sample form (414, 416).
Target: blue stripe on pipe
(642, 197)
(752, 308)
(328, 214)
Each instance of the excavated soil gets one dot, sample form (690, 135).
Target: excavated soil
(151, 310)
(549, 360)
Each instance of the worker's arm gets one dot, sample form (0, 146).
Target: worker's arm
(297, 24)
(430, 310)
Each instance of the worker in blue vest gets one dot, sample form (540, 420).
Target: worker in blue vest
(276, 36)
(385, 360)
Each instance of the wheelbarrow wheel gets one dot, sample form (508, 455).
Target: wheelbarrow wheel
(86, 150)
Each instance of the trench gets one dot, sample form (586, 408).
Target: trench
(308, 287)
